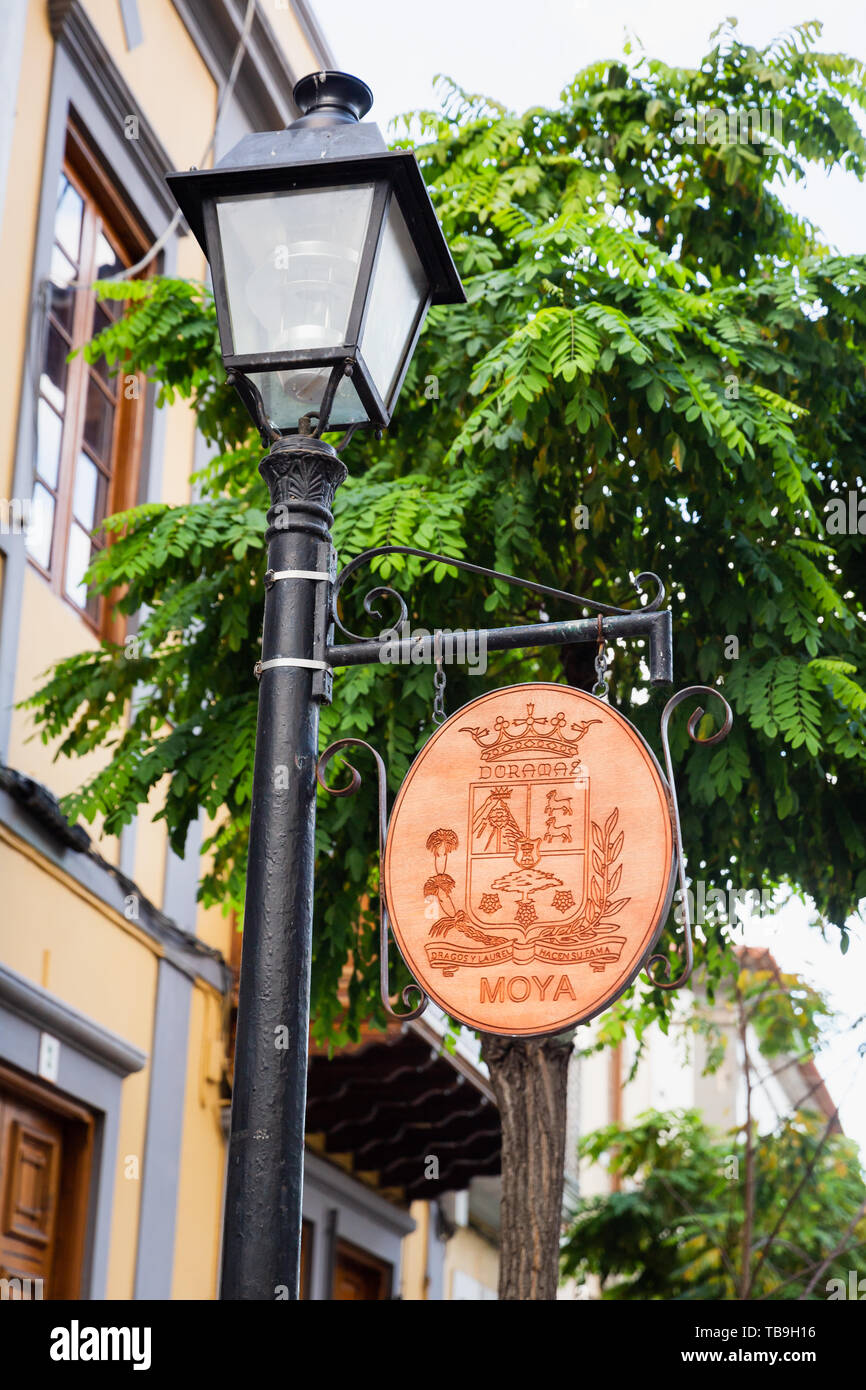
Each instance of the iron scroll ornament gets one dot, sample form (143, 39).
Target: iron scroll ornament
(663, 961)
(384, 922)
(542, 590)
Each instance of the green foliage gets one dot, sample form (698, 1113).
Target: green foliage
(785, 1012)
(674, 1229)
(693, 1205)
(649, 334)
(170, 336)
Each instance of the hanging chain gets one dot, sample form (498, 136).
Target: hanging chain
(599, 690)
(439, 715)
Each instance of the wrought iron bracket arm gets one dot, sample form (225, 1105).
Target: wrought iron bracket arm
(542, 590)
(651, 621)
(695, 718)
(384, 922)
(655, 626)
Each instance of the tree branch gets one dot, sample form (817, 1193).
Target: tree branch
(834, 1254)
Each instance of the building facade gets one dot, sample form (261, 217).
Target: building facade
(117, 989)
(115, 986)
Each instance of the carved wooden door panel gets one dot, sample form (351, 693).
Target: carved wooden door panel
(31, 1156)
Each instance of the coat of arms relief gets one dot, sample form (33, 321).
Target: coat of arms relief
(542, 878)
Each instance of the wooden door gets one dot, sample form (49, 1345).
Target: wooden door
(358, 1275)
(31, 1153)
(45, 1146)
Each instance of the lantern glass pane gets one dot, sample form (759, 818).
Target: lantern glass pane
(287, 395)
(291, 265)
(399, 288)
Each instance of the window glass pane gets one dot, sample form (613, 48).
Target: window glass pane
(88, 495)
(61, 269)
(98, 420)
(101, 320)
(53, 380)
(49, 428)
(67, 222)
(61, 302)
(41, 526)
(107, 262)
(77, 561)
(61, 298)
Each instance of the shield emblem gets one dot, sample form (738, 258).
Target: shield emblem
(519, 900)
(528, 847)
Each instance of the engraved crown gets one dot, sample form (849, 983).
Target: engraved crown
(528, 735)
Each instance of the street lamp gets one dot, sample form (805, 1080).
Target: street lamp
(325, 255)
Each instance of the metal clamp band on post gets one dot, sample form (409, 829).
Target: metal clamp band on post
(271, 576)
(304, 661)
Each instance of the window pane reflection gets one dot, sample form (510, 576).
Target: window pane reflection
(53, 380)
(41, 526)
(98, 421)
(108, 263)
(67, 223)
(49, 428)
(77, 561)
(88, 497)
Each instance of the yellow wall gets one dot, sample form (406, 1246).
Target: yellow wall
(202, 1167)
(59, 936)
(51, 630)
(214, 926)
(151, 847)
(178, 455)
(292, 40)
(468, 1251)
(51, 930)
(413, 1264)
(176, 91)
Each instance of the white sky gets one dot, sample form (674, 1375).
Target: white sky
(800, 949)
(523, 55)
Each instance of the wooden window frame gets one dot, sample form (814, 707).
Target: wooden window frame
(104, 204)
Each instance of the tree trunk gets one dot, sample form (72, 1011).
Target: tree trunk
(529, 1077)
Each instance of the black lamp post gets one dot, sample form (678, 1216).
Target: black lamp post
(325, 255)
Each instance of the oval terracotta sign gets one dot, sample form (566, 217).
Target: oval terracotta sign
(529, 860)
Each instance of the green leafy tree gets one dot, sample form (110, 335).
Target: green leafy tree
(737, 1215)
(659, 367)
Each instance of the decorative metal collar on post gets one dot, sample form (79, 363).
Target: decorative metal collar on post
(325, 255)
